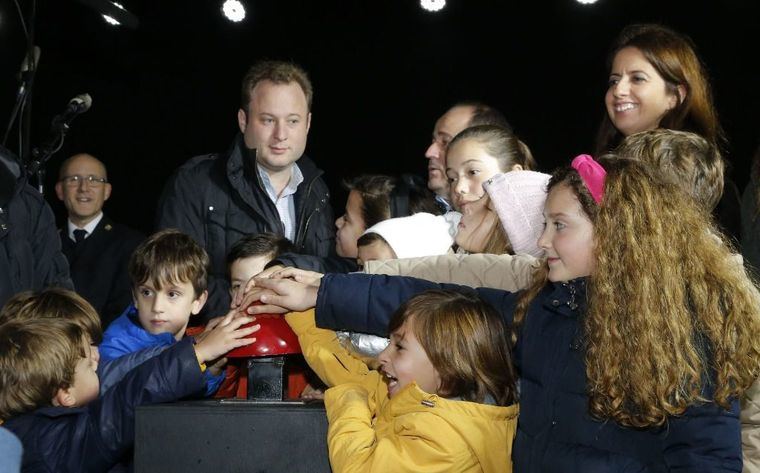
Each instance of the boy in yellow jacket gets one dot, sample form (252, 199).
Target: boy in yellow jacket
(443, 400)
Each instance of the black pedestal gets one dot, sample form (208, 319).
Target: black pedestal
(231, 436)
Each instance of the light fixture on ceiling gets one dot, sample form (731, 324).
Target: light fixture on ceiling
(433, 5)
(233, 10)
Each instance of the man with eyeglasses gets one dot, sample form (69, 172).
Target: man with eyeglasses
(98, 249)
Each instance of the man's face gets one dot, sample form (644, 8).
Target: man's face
(83, 200)
(446, 128)
(276, 124)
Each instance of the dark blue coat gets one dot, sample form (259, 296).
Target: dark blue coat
(125, 336)
(555, 432)
(217, 199)
(94, 438)
(30, 250)
(98, 266)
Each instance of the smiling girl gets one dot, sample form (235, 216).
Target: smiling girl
(474, 156)
(443, 400)
(635, 340)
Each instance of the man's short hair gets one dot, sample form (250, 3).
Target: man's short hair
(279, 72)
(37, 358)
(681, 158)
(483, 114)
(170, 256)
(262, 244)
(54, 303)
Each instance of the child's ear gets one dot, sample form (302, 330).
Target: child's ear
(64, 398)
(199, 303)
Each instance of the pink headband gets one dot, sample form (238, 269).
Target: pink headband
(593, 175)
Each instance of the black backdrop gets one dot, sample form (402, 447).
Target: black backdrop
(383, 71)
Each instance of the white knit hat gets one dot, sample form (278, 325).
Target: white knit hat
(518, 198)
(421, 234)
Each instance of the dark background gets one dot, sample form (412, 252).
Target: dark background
(383, 71)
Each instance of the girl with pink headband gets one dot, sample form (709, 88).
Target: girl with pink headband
(634, 342)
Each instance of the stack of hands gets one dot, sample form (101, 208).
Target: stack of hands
(277, 289)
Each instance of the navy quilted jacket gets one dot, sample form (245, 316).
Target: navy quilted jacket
(555, 432)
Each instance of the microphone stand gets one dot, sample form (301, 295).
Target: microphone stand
(40, 155)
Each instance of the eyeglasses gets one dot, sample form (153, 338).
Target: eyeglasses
(75, 180)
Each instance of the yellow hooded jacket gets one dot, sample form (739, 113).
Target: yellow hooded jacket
(413, 432)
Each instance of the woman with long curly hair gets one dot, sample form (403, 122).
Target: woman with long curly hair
(633, 344)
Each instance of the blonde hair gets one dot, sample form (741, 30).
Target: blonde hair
(465, 340)
(497, 242)
(54, 303)
(681, 158)
(668, 304)
(38, 356)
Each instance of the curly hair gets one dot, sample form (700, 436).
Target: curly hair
(669, 306)
(682, 158)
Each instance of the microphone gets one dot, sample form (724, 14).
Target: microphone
(76, 106)
(61, 123)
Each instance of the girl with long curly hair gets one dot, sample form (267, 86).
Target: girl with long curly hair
(633, 344)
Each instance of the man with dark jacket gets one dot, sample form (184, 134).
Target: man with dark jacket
(30, 251)
(98, 249)
(264, 183)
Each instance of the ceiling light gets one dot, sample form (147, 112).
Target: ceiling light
(433, 5)
(233, 10)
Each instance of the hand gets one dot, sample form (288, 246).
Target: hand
(237, 300)
(312, 393)
(278, 296)
(312, 278)
(226, 335)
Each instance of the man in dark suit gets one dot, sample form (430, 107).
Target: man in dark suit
(98, 249)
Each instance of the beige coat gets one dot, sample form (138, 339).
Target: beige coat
(750, 418)
(507, 272)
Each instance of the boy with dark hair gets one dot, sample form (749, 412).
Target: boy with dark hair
(49, 386)
(251, 254)
(169, 274)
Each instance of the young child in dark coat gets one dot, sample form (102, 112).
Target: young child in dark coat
(49, 388)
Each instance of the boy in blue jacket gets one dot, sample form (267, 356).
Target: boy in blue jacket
(49, 387)
(169, 274)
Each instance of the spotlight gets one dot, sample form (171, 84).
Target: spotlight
(433, 5)
(586, 2)
(233, 10)
(113, 13)
(111, 20)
